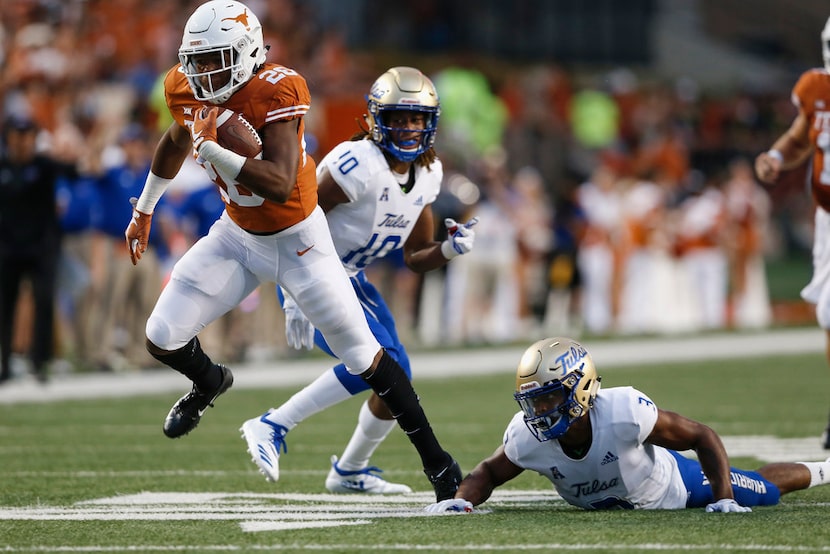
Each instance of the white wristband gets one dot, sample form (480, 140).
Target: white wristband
(776, 155)
(448, 250)
(154, 188)
(227, 162)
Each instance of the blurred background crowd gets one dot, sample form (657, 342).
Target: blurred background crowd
(605, 146)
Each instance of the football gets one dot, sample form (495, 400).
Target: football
(235, 133)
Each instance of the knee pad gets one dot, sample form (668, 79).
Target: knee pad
(159, 332)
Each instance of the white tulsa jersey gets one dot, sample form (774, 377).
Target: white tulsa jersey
(380, 216)
(619, 470)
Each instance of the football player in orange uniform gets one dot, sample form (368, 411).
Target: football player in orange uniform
(272, 229)
(808, 138)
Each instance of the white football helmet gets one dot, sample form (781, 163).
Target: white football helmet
(230, 29)
(825, 44)
(403, 89)
(556, 384)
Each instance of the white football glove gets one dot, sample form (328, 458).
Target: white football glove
(299, 332)
(460, 240)
(450, 505)
(727, 505)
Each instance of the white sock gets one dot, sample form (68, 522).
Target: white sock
(323, 392)
(367, 436)
(819, 472)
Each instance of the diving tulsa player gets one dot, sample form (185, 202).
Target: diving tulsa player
(615, 449)
(376, 191)
(808, 138)
(271, 231)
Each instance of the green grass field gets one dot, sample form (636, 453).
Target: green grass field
(99, 476)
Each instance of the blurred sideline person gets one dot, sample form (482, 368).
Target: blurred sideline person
(376, 190)
(615, 449)
(30, 240)
(600, 198)
(272, 229)
(700, 243)
(748, 209)
(483, 289)
(126, 293)
(808, 138)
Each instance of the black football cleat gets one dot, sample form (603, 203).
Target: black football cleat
(445, 481)
(185, 414)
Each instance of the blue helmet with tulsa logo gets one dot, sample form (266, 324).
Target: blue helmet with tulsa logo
(403, 89)
(556, 384)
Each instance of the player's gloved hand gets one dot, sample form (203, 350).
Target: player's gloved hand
(450, 505)
(460, 240)
(204, 126)
(138, 232)
(299, 332)
(727, 505)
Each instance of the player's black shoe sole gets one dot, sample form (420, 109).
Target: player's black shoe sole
(185, 414)
(445, 481)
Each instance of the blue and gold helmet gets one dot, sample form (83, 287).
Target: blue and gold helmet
(556, 384)
(403, 89)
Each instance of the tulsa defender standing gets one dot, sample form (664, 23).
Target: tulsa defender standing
(271, 231)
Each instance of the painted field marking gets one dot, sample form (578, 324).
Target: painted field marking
(257, 512)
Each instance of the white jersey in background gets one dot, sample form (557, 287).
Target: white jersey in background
(618, 470)
(379, 209)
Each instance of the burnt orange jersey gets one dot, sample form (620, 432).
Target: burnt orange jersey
(811, 95)
(639, 232)
(275, 93)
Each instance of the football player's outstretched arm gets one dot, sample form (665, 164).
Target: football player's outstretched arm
(680, 433)
(173, 147)
(486, 476)
(423, 253)
(790, 150)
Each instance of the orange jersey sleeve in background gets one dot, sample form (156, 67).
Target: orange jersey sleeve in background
(811, 95)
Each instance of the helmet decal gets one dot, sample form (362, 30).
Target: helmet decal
(572, 357)
(241, 18)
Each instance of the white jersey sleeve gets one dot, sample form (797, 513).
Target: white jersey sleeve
(380, 215)
(620, 469)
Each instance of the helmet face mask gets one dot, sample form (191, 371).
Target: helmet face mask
(221, 49)
(403, 113)
(556, 384)
(825, 44)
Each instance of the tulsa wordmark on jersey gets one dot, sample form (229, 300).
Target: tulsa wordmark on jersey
(379, 208)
